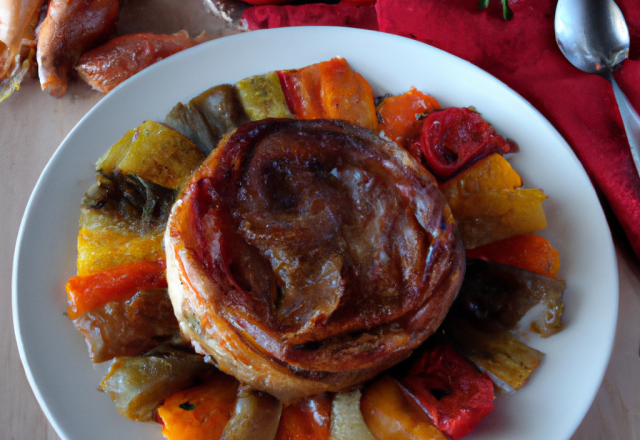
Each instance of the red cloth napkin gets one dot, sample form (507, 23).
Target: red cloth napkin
(523, 54)
(318, 14)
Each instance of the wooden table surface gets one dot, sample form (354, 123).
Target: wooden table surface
(32, 125)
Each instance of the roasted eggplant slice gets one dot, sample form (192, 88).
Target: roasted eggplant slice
(138, 385)
(505, 294)
(508, 361)
(208, 117)
(135, 199)
(129, 328)
(256, 416)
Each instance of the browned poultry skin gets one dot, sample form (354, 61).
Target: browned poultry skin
(70, 28)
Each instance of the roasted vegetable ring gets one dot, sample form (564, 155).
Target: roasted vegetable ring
(310, 255)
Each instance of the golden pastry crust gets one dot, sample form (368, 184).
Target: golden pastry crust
(310, 256)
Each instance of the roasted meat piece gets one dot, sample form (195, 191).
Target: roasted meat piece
(310, 255)
(18, 22)
(104, 67)
(71, 28)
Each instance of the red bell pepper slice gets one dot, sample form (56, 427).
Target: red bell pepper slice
(329, 90)
(450, 389)
(118, 283)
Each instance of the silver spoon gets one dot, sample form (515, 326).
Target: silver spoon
(594, 37)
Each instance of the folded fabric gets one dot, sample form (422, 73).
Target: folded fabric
(316, 14)
(523, 54)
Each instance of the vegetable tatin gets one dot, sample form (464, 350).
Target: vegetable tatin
(290, 257)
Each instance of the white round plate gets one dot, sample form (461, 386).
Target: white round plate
(54, 355)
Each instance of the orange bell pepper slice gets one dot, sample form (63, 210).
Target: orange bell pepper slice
(489, 205)
(329, 90)
(391, 415)
(201, 412)
(118, 283)
(530, 252)
(401, 117)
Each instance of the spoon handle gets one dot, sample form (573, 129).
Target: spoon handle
(631, 122)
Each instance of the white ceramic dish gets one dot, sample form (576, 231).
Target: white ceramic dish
(54, 355)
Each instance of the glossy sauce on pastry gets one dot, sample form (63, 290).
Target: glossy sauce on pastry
(310, 255)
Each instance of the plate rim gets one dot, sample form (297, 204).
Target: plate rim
(131, 82)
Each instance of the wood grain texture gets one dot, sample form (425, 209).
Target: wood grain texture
(615, 413)
(32, 128)
(32, 125)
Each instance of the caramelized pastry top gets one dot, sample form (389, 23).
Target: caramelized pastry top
(323, 250)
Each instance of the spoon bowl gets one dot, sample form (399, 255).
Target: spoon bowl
(594, 37)
(592, 34)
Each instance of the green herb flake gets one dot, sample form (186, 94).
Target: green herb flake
(507, 13)
(187, 406)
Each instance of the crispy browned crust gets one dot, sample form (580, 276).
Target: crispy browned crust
(69, 29)
(385, 253)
